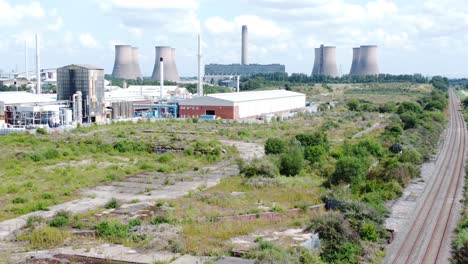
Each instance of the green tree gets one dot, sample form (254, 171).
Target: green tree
(349, 170)
(292, 160)
(274, 146)
(353, 105)
(409, 107)
(314, 153)
(409, 119)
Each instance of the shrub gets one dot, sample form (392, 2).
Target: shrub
(368, 232)
(274, 146)
(259, 167)
(317, 138)
(411, 155)
(353, 104)
(60, 219)
(166, 158)
(46, 237)
(409, 119)
(41, 131)
(47, 196)
(112, 204)
(112, 230)
(134, 222)
(292, 161)
(349, 170)
(34, 220)
(314, 153)
(409, 107)
(161, 219)
(19, 200)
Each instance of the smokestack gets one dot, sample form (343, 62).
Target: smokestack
(244, 59)
(26, 59)
(368, 64)
(325, 62)
(161, 74)
(136, 64)
(355, 64)
(123, 64)
(200, 68)
(38, 67)
(170, 67)
(237, 83)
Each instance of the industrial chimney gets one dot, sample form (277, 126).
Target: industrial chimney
(355, 64)
(368, 64)
(200, 68)
(136, 64)
(123, 64)
(170, 67)
(325, 62)
(244, 59)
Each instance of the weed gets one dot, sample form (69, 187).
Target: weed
(46, 237)
(112, 204)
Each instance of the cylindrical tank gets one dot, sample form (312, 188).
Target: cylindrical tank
(170, 67)
(244, 59)
(123, 64)
(355, 63)
(67, 116)
(136, 64)
(368, 64)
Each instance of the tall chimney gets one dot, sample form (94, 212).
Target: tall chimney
(244, 59)
(26, 59)
(161, 75)
(200, 68)
(38, 69)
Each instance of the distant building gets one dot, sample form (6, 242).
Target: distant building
(239, 69)
(87, 79)
(242, 105)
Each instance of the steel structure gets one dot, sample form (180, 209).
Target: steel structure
(325, 62)
(170, 68)
(244, 57)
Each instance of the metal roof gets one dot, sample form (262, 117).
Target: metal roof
(254, 95)
(230, 99)
(25, 97)
(86, 66)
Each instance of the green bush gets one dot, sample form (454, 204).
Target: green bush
(259, 167)
(161, 219)
(274, 146)
(46, 237)
(353, 104)
(112, 204)
(292, 161)
(19, 200)
(317, 138)
(409, 119)
(409, 107)
(41, 131)
(411, 155)
(314, 153)
(60, 219)
(131, 146)
(112, 230)
(134, 222)
(349, 170)
(368, 232)
(47, 196)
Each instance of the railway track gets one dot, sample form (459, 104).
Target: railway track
(429, 235)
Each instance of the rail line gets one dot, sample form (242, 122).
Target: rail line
(430, 230)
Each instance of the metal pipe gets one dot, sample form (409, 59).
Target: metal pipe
(26, 59)
(244, 59)
(200, 71)
(238, 83)
(38, 69)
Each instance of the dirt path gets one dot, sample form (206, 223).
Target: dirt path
(146, 187)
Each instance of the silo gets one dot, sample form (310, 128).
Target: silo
(325, 62)
(244, 56)
(170, 67)
(318, 55)
(368, 64)
(355, 63)
(123, 64)
(136, 64)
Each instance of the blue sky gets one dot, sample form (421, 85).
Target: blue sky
(418, 36)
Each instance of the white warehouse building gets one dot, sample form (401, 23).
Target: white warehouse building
(242, 105)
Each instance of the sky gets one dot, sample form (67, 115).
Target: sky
(417, 36)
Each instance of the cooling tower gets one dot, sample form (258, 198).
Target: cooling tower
(170, 68)
(136, 64)
(244, 57)
(325, 62)
(368, 64)
(316, 68)
(124, 63)
(355, 63)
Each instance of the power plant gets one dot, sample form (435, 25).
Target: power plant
(167, 55)
(126, 65)
(244, 58)
(365, 61)
(325, 62)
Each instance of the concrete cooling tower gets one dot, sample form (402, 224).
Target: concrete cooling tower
(355, 64)
(136, 64)
(126, 65)
(368, 64)
(325, 62)
(169, 67)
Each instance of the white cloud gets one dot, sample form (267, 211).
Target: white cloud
(87, 40)
(217, 25)
(56, 25)
(13, 14)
